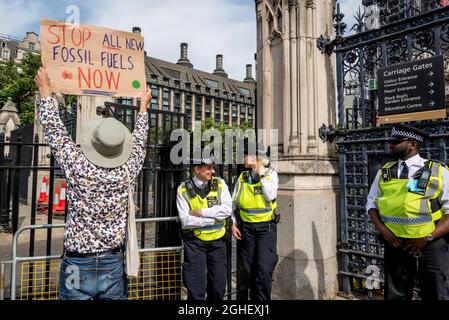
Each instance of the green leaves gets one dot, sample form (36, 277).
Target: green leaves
(17, 82)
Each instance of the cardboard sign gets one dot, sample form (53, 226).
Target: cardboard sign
(89, 60)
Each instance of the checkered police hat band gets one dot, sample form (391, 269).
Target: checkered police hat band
(406, 134)
(202, 161)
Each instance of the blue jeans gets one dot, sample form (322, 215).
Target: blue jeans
(93, 278)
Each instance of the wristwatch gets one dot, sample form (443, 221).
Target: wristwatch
(429, 238)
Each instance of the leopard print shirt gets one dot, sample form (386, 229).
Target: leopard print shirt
(97, 197)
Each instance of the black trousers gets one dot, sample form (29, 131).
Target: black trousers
(204, 269)
(258, 257)
(431, 270)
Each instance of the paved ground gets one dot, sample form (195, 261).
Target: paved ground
(23, 244)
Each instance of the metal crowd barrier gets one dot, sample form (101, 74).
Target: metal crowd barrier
(159, 276)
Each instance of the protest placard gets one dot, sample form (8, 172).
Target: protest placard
(91, 60)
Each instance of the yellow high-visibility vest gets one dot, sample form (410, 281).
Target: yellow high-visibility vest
(408, 214)
(217, 230)
(251, 201)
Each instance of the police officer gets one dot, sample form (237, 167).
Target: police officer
(254, 198)
(204, 203)
(409, 205)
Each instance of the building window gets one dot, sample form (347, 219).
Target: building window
(217, 110)
(250, 115)
(226, 112)
(198, 108)
(177, 100)
(207, 108)
(5, 54)
(212, 83)
(242, 113)
(234, 113)
(165, 81)
(165, 99)
(3, 44)
(32, 46)
(125, 115)
(245, 91)
(188, 86)
(155, 97)
(124, 100)
(188, 102)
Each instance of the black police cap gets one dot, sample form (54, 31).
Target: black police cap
(401, 132)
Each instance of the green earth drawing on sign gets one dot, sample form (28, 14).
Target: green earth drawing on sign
(136, 84)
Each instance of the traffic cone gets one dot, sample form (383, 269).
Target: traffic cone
(43, 194)
(56, 199)
(47, 192)
(61, 206)
(42, 202)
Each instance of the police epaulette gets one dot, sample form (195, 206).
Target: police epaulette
(443, 164)
(245, 175)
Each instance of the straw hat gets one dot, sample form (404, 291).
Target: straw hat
(106, 142)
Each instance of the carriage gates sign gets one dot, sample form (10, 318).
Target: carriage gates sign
(412, 91)
(89, 60)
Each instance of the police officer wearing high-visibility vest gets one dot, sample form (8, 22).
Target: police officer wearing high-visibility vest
(409, 205)
(255, 225)
(204, 204)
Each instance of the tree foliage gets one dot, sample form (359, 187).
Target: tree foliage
(210, 123)
(17, 82)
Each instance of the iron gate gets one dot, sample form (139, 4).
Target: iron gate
(156, 198)
(417, 30)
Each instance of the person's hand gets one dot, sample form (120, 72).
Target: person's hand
(391, 238)
(196, 213)
(42, 82)
(236, 232)
(261, 170)
(414, 246)
(145, 99)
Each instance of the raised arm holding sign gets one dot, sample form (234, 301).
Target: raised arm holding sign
(100, 179)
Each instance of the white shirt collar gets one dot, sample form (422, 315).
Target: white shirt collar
(415, 160)
(198, 182)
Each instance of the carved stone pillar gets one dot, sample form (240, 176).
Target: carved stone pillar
(308, 169)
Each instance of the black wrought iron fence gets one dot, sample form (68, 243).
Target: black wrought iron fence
(407, 35)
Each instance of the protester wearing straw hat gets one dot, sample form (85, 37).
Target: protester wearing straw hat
(204, 204)
(409, 205)
(98, 175)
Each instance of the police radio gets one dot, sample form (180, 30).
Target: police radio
(190, 188)
(424, 178)
(214, 184)
(420, 181)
